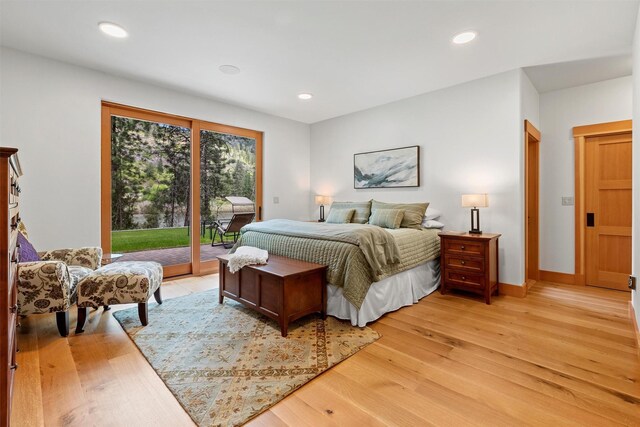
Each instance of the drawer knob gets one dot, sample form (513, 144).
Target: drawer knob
(464, 277)
(462, 262)
(462, 247)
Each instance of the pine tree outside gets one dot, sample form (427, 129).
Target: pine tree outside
(151, 182)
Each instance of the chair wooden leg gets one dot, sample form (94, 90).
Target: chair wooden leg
(62, 319)
(82, 318)
(143, 312)
(157, 295)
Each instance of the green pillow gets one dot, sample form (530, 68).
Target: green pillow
(387, 218)
(413, 212)
(340, 216)
(363, 210)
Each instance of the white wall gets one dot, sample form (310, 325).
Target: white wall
(560, 111)
(530, 104)
(635, 259)
(470, 137)
(51, 112)
(529, 110)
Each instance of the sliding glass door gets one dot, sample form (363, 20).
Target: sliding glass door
(171, 187)
(227, 186)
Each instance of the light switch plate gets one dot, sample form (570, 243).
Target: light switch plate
(567, 200)
(276, 200)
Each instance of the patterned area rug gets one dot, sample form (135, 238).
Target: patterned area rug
(226, 364)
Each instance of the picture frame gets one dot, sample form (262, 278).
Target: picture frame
(391, 168)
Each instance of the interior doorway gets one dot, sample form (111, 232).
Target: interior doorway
(532, 186)
(603, 204)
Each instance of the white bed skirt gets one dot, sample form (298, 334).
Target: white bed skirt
(390, 294)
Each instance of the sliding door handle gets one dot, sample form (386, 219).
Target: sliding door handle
(591, 219)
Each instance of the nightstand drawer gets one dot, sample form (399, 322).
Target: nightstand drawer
(464, 279)
(472, 265)
(463, 247)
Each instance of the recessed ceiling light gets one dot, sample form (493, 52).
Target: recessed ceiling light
(305, 96)
(229, 69)
(113, 30)
(465, 37)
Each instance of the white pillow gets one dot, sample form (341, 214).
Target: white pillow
(432, 223)
(431, 214)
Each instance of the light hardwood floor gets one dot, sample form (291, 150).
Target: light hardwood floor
(562, 356)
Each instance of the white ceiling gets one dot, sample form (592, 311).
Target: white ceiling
(575, 73)
(351, 55)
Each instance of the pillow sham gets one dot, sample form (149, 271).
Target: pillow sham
(362, 213)
(413, 212)
(340, 216)
(432, 223)
(26, 251)
(432, 214)
(387, 218)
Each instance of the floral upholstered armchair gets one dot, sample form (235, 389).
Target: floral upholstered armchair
(49, 285)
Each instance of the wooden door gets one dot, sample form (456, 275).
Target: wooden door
(608, 219)
(532, 186)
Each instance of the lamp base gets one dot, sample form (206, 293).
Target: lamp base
(475, 221)
(321, 213)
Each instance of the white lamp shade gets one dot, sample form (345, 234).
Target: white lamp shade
(475, 201)
(323, 200)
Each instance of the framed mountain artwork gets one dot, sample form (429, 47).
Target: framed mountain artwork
(397, 167)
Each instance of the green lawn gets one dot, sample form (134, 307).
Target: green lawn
(157, 238)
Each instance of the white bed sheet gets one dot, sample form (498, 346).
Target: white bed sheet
(390, 294)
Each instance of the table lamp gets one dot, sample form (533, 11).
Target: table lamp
(322, 200)
(475, 201)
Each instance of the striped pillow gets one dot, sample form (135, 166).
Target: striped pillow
(413, 212)
(363, 210)
(340, 216)
(387, 218)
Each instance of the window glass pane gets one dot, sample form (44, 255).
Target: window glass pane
(150, 191)
(227, 174)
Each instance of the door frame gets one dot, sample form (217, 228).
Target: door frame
(196, 266)
(580, 135)
(531, 136)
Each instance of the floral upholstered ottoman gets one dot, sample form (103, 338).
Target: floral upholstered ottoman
(119, 283)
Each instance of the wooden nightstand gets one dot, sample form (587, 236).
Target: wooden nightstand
(469, 262)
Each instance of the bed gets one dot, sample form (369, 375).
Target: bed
(371, 271)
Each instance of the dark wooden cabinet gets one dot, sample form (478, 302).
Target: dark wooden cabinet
(469, 262)
(284, 289)
(10, 218)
